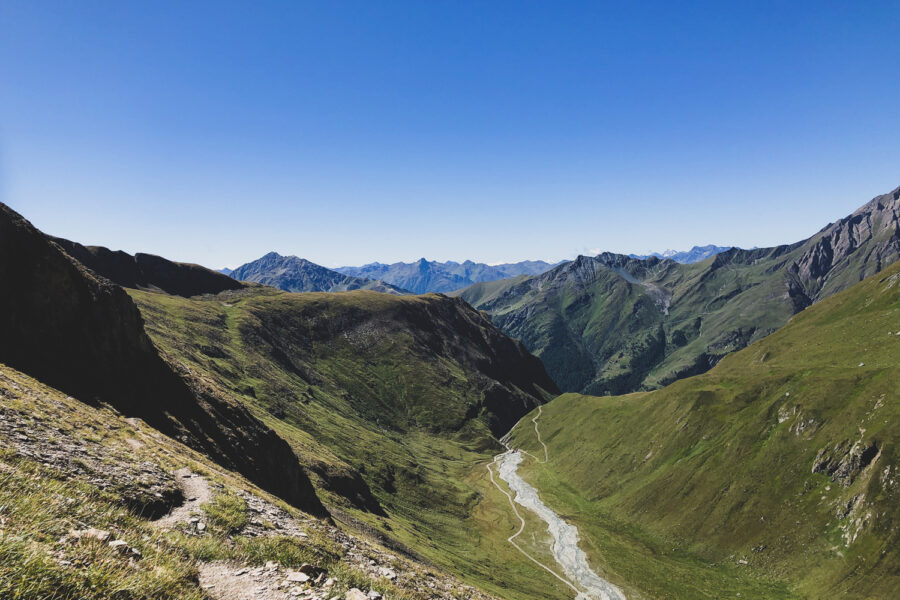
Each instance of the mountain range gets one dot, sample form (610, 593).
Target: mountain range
(615, 324)
(425, 276)
(695, 254)
(169, 431)
(293, 274)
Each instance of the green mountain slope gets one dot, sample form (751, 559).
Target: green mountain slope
(614, 324)
(390, 402)
(81, 492)
(774, 471)
(391, 405)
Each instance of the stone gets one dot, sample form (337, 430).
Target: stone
(373, 595)
(120, 546)
(91, 533)
(297, 577)
(355, 594)
(310, 570)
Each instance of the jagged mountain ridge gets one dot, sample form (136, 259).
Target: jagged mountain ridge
(695, 254)
(425, 276)
(147, 271)
(614, 324)
(293, 274)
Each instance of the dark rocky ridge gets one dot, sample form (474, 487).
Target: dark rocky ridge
(82, 334)
(149, 272)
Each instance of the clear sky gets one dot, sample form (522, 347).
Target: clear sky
(347, 132)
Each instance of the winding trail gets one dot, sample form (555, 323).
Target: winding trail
(537, 432)
(565, 548)
(196, 492)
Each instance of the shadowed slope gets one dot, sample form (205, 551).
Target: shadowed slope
(82, 334)
(146, 271)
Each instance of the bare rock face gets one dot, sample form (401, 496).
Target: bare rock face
(82, 334)
(861, 244)
(845, 461)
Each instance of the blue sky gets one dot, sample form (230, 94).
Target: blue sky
(347, 132)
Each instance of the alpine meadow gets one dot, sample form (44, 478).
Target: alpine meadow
(449, 301)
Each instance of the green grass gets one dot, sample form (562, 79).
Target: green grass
(226, 512)
(379, 393)
(672, 488)
(39, 505)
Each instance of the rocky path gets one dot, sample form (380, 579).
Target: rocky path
(568, 555)
(196, 492)
(226, 580)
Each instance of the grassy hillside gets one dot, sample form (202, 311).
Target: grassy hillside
(393, 403)
(611, 324)
(775, 472)
(81, 489)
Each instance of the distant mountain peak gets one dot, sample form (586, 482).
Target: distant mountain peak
(423, 276)
(695, 254)
(294, 274)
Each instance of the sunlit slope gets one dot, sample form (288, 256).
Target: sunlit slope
(611, 324)
(393, 404)
(779, 463)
